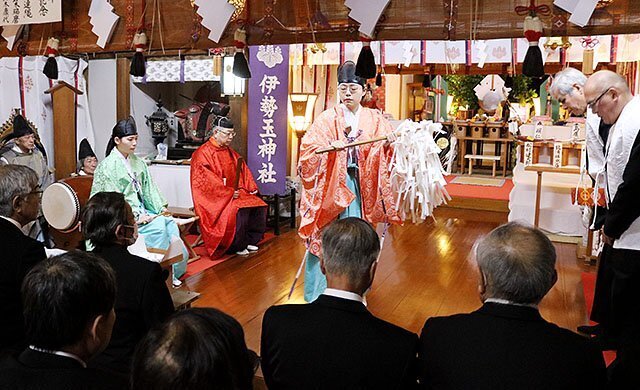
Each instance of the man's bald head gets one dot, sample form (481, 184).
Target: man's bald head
(607, 93)
(606, 78)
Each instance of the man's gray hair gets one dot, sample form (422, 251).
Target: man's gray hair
(15, 180)
(518, 263)
(349, 247)
(564, 81)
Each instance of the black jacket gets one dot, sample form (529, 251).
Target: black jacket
(142, 301)
(506, 347)
(19, 254)
(335, 343)
(32, 370)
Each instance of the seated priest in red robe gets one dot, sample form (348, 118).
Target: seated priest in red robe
(232, 217)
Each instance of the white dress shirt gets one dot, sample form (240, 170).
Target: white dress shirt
(332, 292)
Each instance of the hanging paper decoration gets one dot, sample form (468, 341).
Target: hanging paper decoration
(367, 13)
(51, 66)
(491, 91)
(11, 33)
(215, 15)
(103, 20)
(138, 66)
(481, 47)
(533, 65)
(445, 52)
(580, 10)
(240, 64)
(417, 176)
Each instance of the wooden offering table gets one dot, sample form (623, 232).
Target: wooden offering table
(540, 169)
(505, 149)
(477, 133)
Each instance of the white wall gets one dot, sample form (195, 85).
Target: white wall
(102, 101)
(143, 104)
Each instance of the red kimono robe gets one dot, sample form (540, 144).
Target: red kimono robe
(324, 192)
(213, 172)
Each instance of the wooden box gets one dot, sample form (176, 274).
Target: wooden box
(494, 130)
(461, 128)
(477, 129)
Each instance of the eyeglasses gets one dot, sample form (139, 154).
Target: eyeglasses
(353, 88)
(37, 191)
(595, 101)
(228, 133)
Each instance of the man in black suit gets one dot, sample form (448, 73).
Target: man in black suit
(143, 299)
(68, 312)
(506, 344)
(335, 342)
(19, 205)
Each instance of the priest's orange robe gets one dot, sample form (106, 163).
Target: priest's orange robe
(213, 173)
(324, 191)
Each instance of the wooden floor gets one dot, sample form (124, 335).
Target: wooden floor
(425, 270)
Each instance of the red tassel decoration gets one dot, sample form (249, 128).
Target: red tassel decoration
(138, 66)
(533, 65)
(51, 66)
(366, 64)
(240, 64)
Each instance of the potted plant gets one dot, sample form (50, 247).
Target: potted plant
(461, 88)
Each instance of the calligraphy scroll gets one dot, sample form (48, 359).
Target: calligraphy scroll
(18, 12)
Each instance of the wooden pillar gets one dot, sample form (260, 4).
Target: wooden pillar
(239, 114)
(64, 128)
(123, 88)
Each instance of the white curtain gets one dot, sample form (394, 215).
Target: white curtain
(22, 85)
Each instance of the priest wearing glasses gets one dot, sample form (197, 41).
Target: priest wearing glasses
(349, 181)
(225, 195)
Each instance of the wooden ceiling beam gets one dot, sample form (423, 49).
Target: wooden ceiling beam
(290, 21)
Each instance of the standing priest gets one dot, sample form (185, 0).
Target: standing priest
(232, 216)
(347, 182)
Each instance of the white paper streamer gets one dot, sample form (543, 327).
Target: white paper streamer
(417, 176)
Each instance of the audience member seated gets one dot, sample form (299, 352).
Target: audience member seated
(196, 349)
(232, 217)
(87, 160)
(24, 148)
(506, 344)
(143, 299)
(122, 171)
(19, 205)
(68, 311)
(335, 342)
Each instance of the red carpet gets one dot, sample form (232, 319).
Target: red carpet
(589, 286)
(479, 192)
(205, 262)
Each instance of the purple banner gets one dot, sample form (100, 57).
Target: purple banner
(267, 127)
